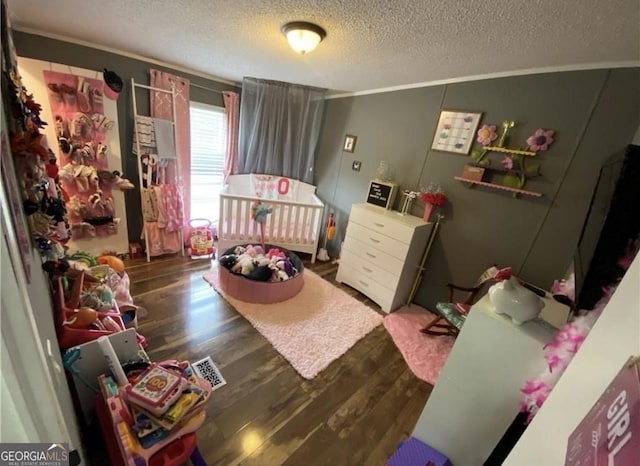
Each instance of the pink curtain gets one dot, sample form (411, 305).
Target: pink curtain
(161, 107)
(231, 108)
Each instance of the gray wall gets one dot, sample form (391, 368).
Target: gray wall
(594, 114)
(46, 49)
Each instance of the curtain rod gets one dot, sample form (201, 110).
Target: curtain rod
(205, 88)
(143, 86)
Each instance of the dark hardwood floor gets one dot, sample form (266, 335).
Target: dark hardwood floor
(355, 412)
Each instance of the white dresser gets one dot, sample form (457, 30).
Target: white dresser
(381, 254)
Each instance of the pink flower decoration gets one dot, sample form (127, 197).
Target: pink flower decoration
(486, 134)
(540, 140)
(532, 386)
(553, 361)
(507, 163)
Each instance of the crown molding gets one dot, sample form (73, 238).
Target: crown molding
(504, 74)
(123, 53)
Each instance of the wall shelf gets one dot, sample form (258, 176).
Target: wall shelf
(499, 186)
(504, 170)
(509, 151)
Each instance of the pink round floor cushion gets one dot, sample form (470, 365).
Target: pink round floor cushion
(252, 291)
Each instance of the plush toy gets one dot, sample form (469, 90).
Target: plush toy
(275, 252)
(262, 260)
(112, 261)
(287, 266)
(251, 251)
(92, 301)
(259, 213)
(228, 260)
(82, 318)
(84, 257)
(104, 293)
(261, 273)
(244, 265)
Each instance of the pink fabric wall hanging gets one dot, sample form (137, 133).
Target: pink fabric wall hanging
(161, 107)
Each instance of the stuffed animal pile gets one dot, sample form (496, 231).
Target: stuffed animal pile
(252, 262)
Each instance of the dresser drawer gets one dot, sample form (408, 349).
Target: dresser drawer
(373, 254)
(371, 238)
(370, 270)
(367, 286)
(384, 222)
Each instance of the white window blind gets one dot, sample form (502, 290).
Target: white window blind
(207, 159)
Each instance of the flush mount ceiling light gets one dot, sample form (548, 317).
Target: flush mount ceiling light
(303, 37)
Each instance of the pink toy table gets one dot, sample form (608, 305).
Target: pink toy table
(174, 454)
(123, 446)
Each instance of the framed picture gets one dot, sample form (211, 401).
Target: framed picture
(456, 131)
(349, 143)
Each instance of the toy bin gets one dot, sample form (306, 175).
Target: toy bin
(252, 291)
(69, 337)
(201, 238)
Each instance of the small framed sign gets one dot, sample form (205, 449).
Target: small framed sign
(349, 143)
(382, 193)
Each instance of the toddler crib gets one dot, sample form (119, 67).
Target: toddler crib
(294, 222)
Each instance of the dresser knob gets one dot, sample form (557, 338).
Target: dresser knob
(374, 240)
(373, 256)
(381, 225)
(367, 269)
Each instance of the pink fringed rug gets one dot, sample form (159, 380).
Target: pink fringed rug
(313, 328)
(425, 354)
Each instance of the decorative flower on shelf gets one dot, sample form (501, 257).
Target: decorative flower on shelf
(507, 162)
(540, 140)
(434, 195)
(487, 134)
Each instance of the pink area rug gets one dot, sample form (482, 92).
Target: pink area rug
(425, 354)
(313, 328)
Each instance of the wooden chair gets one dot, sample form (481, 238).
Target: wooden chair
(451, 315)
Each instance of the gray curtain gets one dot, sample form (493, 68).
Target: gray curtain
(279, 128)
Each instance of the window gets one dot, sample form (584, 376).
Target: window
(208, 144)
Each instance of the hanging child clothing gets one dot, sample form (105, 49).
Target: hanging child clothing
(161, 199)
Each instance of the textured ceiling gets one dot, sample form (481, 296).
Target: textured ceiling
(370, 44)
